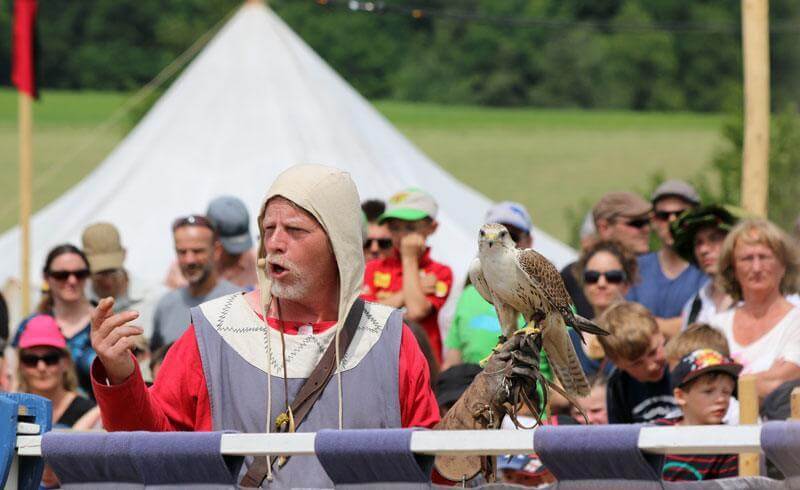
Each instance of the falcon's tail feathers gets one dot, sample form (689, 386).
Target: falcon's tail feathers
(563, 359)
(588, 326)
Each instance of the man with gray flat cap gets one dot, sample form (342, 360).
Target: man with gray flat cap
(620, 216)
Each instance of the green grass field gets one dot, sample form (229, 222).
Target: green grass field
(550, 160)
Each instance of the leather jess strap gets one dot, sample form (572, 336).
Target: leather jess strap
(311, 389)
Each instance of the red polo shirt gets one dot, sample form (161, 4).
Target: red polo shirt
(384, 277)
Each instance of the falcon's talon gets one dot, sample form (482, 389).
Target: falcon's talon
(529, 330)
(495, 350)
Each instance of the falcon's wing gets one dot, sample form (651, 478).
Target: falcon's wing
(562, 356)
(477, 279)
(545, 275)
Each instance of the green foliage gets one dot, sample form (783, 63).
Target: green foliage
(625, 54)
(784, 166)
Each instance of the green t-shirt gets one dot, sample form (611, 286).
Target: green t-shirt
(475, 330)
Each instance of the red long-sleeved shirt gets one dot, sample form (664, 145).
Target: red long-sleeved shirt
(178, 400)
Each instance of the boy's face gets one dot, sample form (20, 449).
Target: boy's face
(707, 246)
(400, 228)
(648, 368)
(594, 406)
(706, 400)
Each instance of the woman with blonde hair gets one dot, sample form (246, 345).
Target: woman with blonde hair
(46, 369)
(759, 266)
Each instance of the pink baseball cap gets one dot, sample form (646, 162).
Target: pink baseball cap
(42, 330)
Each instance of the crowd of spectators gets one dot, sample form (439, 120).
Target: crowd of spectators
(716, 298)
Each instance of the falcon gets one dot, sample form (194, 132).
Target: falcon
(523, 282)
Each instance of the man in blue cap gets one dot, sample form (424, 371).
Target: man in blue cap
(237, 262)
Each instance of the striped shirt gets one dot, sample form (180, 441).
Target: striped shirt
(696, 467)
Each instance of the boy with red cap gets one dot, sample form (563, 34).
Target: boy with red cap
(703, 383)
(409, 278)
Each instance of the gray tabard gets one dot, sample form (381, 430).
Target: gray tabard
(237, 391)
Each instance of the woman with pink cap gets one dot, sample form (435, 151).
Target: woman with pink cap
(46, 369)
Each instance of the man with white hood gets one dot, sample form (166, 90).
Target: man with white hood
(221, 373)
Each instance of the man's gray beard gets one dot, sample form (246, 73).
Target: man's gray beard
(204, 273)
(292, 292)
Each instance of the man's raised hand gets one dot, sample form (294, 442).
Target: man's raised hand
(112, 339)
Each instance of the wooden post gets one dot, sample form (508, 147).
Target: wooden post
(795, 400)
(25, 199)
(748, 414)
(755, 155)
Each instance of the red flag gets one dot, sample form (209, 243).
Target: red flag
(23, 72)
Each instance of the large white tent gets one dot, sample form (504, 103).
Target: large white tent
(256, 100)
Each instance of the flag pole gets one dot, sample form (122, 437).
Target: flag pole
(755, 154)
(25, 198)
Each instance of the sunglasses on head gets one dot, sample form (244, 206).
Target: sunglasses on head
(383, 243)
(193, 220)
(32, 360)
(80, 274)
(614, 276)
(667, 215)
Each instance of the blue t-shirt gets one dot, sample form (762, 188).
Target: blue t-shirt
(664, 297)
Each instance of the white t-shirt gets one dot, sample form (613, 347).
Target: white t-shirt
(782, 342)
(707, 307)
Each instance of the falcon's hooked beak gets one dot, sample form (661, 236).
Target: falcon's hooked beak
(490, 238)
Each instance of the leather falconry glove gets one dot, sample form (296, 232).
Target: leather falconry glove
(507, 383)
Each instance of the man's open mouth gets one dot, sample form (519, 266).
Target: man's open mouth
(276, 269)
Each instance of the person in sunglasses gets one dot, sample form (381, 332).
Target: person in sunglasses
(409, 278)
(608, 271)
(198, 249)
(46, 369)
(65, 272)
(378, 243)
(668, 281)
(620, 216)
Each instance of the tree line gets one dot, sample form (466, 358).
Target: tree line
(623, 54)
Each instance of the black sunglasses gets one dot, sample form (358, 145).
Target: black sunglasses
(667, 215)
(614, 276)
(80, 274)
(32, 360)
(383, 243)
(193, 220)
(638, 223)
